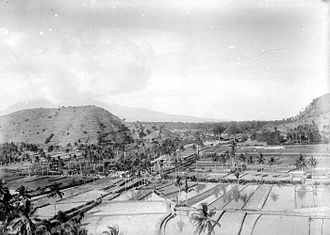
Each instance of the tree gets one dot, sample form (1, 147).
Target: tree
(233, 129)
(24, 223)
(178, 183)
(186, 189)
(202, 220)
(271, 161)
(55, 192)
(300, 162)
(6, 207)
(237, 175)
(218, 130)
(250, 160)
(4, 191)
(261, 159)
(112, 230)
(233, 152)
(71, 227)
(23, 193)
(198, 141)
(312, 163)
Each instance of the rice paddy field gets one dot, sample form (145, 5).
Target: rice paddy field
(132, 217)
(259, 209)
(259, 204)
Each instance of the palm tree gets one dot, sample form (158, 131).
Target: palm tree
(7, 208)
(23, 193)
(3, 189)
(237, 175)
(250, 160)
(44, 227)
(202, 220)
(186, 189)
(24, 223)
(300, 162)
(261, 159)
(312, 163)
(55, 192)
(178, 184)
(72, 227)
(271, 162)
(112, 230)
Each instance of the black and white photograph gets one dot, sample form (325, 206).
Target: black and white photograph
(164, 117)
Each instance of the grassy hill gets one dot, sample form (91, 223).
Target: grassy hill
(59, 126)
(317, 112)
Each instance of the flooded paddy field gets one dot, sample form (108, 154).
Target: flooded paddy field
(259, 209)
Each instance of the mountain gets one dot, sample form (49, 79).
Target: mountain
(145, 115)
(28, 104)
(128, 113)
(59, 126)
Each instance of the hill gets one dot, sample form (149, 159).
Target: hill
(59, 126)
(318, 108)
(316, 113)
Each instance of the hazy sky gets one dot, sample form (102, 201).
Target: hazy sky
(235, 59)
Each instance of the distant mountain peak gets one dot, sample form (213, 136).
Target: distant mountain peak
(130, 114)
(28, 104)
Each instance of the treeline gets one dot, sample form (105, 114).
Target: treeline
(303, 134)
(236, 127)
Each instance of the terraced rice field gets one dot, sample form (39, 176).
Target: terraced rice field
(172, 192)
(258, 209)
(32, 183)
(130, 221)
(242, 223)
(73, 197)
(132, 195)
(283, 224)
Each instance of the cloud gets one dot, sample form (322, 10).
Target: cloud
(10, 39)
(75, 68)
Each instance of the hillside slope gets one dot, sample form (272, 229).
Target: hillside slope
(61, 126)
(317, 112)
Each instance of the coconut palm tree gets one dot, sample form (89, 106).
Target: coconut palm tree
(312, 163)
(261, 159)
(23, 192)
(300, 162)
(55, 192)
(178, 183)
(186, 189)
(44, 227)
(112, 230)
(203, 220)
(4, 191)
(24, 223)
(237, 175)
(71, 227)
(8, 211)
(272, 162)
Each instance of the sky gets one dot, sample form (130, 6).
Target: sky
(230, 59)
